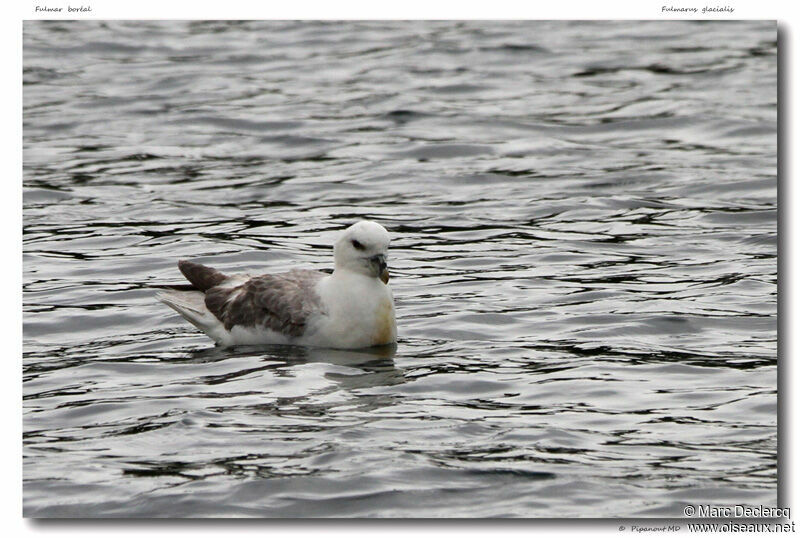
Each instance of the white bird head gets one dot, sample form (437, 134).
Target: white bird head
(363, 248)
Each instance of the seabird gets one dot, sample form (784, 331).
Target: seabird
(349, 309)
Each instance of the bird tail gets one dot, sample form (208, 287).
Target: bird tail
(191, 305)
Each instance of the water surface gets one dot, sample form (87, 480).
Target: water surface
(583, 259)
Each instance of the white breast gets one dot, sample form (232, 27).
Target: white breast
(358, 312)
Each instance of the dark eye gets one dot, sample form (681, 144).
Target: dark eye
(358, 245)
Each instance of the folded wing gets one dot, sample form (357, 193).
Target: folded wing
(282, 302)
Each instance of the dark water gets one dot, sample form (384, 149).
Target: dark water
(584, 263)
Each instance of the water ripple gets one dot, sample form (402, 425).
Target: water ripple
(584, 260)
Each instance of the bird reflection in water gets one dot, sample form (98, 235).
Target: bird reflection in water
(372, 367)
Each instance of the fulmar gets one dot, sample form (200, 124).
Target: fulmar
(349, 309)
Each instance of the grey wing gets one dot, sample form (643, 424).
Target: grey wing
(281, 302)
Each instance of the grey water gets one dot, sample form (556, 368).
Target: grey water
(584, 261)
